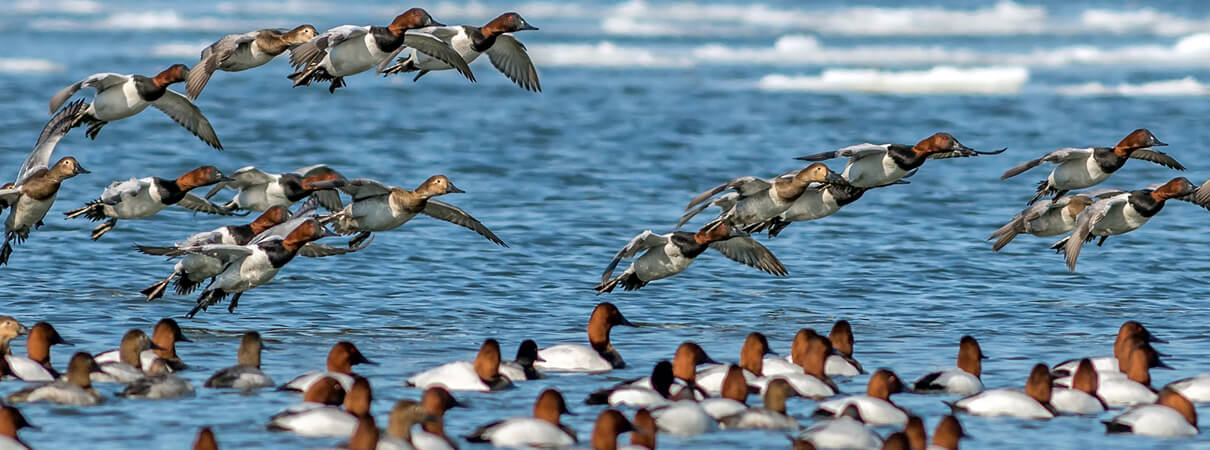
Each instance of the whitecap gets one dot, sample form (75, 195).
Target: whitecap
(604, 54)
(937, 80)
(179, 49)
(1188, 86)
(28, 65)
(55, 6)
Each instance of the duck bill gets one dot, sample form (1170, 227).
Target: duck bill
(436, 24)
(22, 330)
(454, 189)
(977, 152)
(626, 323)
(528, 27)
(153, 346)
(80, 169)
(1156, 340)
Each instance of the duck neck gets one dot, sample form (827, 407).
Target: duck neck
(271, 42)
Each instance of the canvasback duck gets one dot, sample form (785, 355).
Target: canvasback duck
(325, 391)
(1119, 214)
(1128, 332)
(811, 380)
(759, 200)
(239, 52)
(665, 255)
(876, 406)
(341, 359)
(689, 355)
(644, 429)
(962, 380)
(482, 374)
(875, 165)
(846, 430)
(11, 422)
(137, 198)
(522, 367)
(914, 435)
(205, 440)
(122, 96)
(36, 367)
(896, 441)
(819, 200)
(1046, 218)
(165, 335)
(1133, 389)
(599, 356)
(791, 364)
(751, 364)
(129, 366)
(431, 435)
(365, 434)
(194, 268)
(377, 207)
(74, 388)
(1196, 389)
(734, 396)
(159, 383)
(350, 49)
(256, 190)
(684, 418)
(1033, 403)
(1150, 354)
(610, 424)
(948, 434)
(246, 374)
(254, 264)
(10, 329)
(37, 184)
(405, 415)
(507, 54)
(1081, 397)
(770, 416)
(541, 430)
(655, 391)
(841, 363)
(1079, 168)
(1172, 415)
(328, 420)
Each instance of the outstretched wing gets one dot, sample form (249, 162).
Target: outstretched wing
(242, 179)
(1055, 157)
(510, 58)
(97, 81)
(1084, 223)
(964, 153)
(851, 152)
(313, 250)
(746, 186)
(195, 203)
(185, 113)
(224, 252)
(641, 243)
(747, 251)
(1158, 157)
(212, 57)
(457, 216)
(724, 203)
(54, 131)
(358, 188)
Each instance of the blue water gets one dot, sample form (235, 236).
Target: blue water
(568, 176)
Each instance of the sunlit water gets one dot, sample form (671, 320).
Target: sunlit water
(643, 106)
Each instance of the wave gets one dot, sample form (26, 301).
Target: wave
(56, 6)
(28, 65)
(146, 21)
(604, 54)
(179, 49)
(1183, 87)
(938, 80)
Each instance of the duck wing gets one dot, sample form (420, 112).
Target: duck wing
(433, 46)
(747, 251)
(243, 178)
(746, 186)
(358, 188)
(97, 81)
(641, 243)
(1158, 157)
(1056, 157)
(1091, 215)
(314, 50)
(511, 58)
(195, 203)
(457, 216)
(851, 152)
(212, 57)
(313, 250)
(52, 133)
(185, 113)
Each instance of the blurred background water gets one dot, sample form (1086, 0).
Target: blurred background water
(644, 104)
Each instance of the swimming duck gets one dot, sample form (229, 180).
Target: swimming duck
(598, 356)
(194, 268)
(841, 363)
(1196, 389)
(325, 391)
(656, 391)
(246, 373)
(948, 433)
(689, 355)
(541, 430)
(1081, 397)
(405, 415)
(1079, 168)
(36, 367)
(328, 420)
(643, 431)
(341, 359)
(378, 207)
(665, 255)
(1128, 332)
(74, 388)
(610, 424)
(751, 364)
(256, 190)
(238, 52)
(365, 434)
(760, 200)
(159, 383)
(522, 368)
(350, 49)
(1172, 415)
(846, 430)
(1119, 214)
(962, 380)
(137, 198)
(11, 422)
(791, 364)
(875, 165)
(431, 435)
(128, 368)
(37, 185)
(122, 96)
(165, 335)
(734, 396)
(1047, 218)
(771, 416)
(482, 374)
(684, 418)
(205, 440)
(876, 406)
(811, 380)
(1133, 389)
(1033, 403)
(507, 54)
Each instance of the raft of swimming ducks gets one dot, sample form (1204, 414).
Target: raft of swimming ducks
(690, 395)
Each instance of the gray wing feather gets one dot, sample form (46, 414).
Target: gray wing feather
(1158, 157)
(185, 113)
(643, 242)
(510, 58)
(52, 133)
(1056, 157)
(202, 205)
(747, 251)
(97, 81)
(433, 46)
(313, 250)
(457, 216)
(1084, 223)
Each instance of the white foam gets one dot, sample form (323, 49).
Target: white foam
(1141, 21)
(604, 54)
(55, 6)
(28, 65)
(938, 80)
(144, 21)
(179, 49)
(1188, 86)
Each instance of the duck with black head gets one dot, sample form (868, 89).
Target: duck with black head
(138, 198)
(522, 367)
(74, 388)
(37, 184)
(1032, 403)
(756, 200)
(542, 430)
(875, 165)
(1121, 213)
(661, 256)
(340, 361)
(351, 49)
(1046, 218)
(876, 406)
(122, 96)
(508, 55)
(685, 362)
(239, 52)
(246, 374)
(257, 190)
(962, 380)
(378, 207)
(647, 392)
(1172, 415)
(481, 375)
(36, 367)
(597, 357)
(1079, 168)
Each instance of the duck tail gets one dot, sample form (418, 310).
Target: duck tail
(185, 285)
(632, 282)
